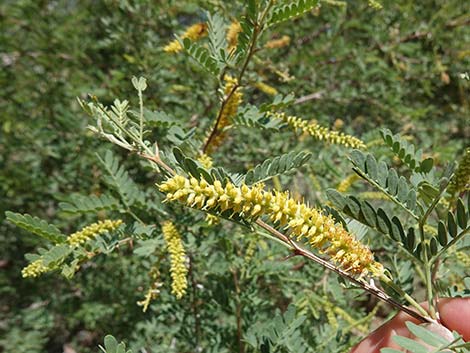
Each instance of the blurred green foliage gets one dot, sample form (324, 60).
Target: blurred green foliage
(353, 67)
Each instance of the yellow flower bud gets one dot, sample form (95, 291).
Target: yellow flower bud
(212, 220)
(34, 269)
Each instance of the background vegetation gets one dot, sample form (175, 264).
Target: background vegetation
(352, 67)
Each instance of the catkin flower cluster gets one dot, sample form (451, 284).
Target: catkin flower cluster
(34, 269)
(278, 43)
(228, 111)
(231, 107)
(194, 33)
(319, 132)
(302, 222)
(347, 182)
(265, 88)
(232, 35)
(461, 179)
(92, 231)
(374, 195)
(178, 268)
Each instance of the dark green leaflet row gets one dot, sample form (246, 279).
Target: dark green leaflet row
(284, 12)
(387, 179)
(251, 116)
(202, 56)
(446, 231)
(276, 166)
(407, 152)
(364, 212)
(92, 203)
(36, 226)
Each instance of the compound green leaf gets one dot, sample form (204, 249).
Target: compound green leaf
(283, 12)
(36, 226)
(93, 203)
(276, 166)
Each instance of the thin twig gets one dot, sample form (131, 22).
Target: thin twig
(157, 160)
(369, 287)
(309, 97)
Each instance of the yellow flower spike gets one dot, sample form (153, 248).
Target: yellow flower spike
(319, 132)
(229, 110)
(304, 222)
(461, 179)
(232, 35)
(278, 43)
(92, 231)
(265, 88)
(178, 268)
(194, 33)
(34, 269)
(251, 249)
(149, 296)
(346, 183)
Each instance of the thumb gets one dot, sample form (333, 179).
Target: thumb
(455, 315)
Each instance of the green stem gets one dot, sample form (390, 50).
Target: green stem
(427, 260)
(405, 295)
(277, 240)
(427, 271)
(141, 115)
(133, 215)
(133, 137)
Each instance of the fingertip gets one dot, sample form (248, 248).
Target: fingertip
(455, 315)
